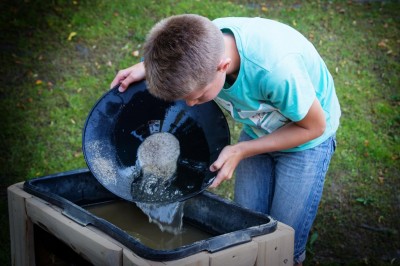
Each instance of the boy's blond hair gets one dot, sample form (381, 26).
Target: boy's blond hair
(181, 54)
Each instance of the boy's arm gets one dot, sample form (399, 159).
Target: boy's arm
(286, 137)
(128, 76)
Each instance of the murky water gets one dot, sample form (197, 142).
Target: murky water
(131, 219)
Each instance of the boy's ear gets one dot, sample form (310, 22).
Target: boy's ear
(224, 64)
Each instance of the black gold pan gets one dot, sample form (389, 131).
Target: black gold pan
(120, 122)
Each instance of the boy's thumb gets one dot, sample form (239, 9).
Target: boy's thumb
(214, 167)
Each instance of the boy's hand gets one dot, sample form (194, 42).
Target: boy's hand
(289, 136)
(128, 76)
(226, 163)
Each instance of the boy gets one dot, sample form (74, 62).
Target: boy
(271, 79)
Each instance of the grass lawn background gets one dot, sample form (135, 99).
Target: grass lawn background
(58, 57)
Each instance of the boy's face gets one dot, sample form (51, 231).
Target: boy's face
(207, 93)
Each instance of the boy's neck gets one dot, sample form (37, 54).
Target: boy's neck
(232, 52)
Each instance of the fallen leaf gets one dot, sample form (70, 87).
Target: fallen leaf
(366, 143)
(38, 82)
(71, 35)
(135, 53)
(382, 43)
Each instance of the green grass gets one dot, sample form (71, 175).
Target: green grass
(49, 84)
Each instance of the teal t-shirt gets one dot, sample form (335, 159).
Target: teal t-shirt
(280, 75)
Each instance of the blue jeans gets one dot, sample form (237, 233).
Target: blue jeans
(286, 185)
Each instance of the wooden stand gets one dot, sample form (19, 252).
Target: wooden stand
(26, 211)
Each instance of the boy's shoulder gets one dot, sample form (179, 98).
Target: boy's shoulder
(246, 21)
(228, 22)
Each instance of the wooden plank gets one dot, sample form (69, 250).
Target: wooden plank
(21, 227)
(199, 259)
(131, 259)
(91, 246)
(276, 248)
(241, 255)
